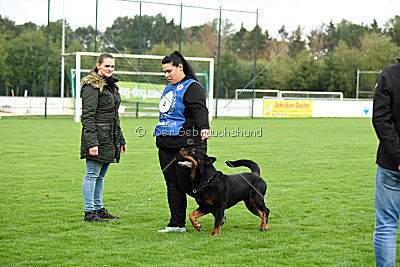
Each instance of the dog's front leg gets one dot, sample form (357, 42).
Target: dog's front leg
(193, 218)
(219, 214)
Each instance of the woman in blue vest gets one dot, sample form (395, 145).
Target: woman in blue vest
(183, 122)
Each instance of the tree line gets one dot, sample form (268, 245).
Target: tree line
(324, 59)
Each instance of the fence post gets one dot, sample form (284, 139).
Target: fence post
(358, 83)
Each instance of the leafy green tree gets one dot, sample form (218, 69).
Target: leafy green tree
(316, 43)
(351, 33)
(235, 41)
(374, 27)
(235, 74)
(341, 68)
(283, 33)
(160, 50)
(278, 75)
(297, 44)
(330, 37)
(307, 74)
(28, 64)
(5, 72)
(195, 49)
(8, 28)
(392, 29)
(124, 33)
(85, 35)
(377, 52)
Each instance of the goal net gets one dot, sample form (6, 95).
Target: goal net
(141, 80)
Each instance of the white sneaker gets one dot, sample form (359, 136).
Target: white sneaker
(172, 229)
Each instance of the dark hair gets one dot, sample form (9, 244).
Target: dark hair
(176, 58)
(100, 60)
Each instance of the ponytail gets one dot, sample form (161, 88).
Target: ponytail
(177, 58)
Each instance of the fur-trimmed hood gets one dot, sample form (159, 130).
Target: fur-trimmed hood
(96, 81)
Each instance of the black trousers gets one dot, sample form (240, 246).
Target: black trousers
(178, 183)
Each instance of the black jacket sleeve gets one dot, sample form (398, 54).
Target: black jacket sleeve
(195, 100)
(90, 97)
(382, 117)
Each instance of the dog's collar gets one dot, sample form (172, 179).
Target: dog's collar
(200, 188)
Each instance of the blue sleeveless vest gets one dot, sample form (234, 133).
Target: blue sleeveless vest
(171, 108)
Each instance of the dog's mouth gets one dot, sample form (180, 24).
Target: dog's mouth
(190, 161)
(187, 164)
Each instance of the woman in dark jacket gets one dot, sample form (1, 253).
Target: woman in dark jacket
(183, 123)
(102, 139)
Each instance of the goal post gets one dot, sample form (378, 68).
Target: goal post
(140, 77)
(359, 72)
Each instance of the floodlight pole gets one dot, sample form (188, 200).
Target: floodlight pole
(47, 60)
(140, 28)
(95, 30)
(218, 63)
(180, 32)
(139, 39)
(255, 66)
(62, 53)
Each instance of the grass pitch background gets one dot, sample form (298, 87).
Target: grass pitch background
(320, 175)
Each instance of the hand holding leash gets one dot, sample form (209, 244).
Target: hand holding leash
(94, 151)
(205, 134)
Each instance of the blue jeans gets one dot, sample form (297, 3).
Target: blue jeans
(92, 185)
(387, 210)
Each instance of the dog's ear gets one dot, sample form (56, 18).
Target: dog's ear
(210, 160)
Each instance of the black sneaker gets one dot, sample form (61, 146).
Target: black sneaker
(91, 216)
(103, 214)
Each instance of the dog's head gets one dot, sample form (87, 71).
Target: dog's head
(197, 161)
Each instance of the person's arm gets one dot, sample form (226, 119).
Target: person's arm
(122, 140)
(195, 100)
(382, 118)
(89, 108)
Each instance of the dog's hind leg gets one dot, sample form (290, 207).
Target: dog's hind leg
(257, 207)
(250, 206)
(262, 211)
(193, 218)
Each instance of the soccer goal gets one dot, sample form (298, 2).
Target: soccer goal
(274, 94)
(258, 93)
(312, 95)
(141, 80)
(366, 83)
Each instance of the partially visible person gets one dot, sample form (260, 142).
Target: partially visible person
(183, 122)
(102, 140)
(386, 121)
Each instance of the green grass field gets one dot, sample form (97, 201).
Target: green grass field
(320, 175)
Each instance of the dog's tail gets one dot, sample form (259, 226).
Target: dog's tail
(246, 163)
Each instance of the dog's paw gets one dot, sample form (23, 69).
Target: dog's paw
(186, 164)
(196, 225)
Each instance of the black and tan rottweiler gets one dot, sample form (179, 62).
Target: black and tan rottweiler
(215, 191)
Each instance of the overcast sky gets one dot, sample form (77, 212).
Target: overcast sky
(272, 14)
